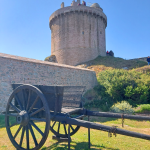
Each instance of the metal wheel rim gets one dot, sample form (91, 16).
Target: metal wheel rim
(29, 126)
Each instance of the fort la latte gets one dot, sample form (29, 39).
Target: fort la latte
(78, 33)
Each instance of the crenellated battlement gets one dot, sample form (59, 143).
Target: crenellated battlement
(97, 12)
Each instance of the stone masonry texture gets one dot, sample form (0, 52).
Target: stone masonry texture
(14, 69)
(78, 34)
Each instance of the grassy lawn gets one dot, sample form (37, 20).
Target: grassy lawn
(108, 62)
(99, 139)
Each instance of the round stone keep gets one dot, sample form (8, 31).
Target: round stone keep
(78, 33)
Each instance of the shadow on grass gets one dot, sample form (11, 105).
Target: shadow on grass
(2, 121)
(76, 146)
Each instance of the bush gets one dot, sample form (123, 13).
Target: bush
(51, 58)
(111, 53)
(143, 108)
(121, 85)
(104, 104)
(122, 107)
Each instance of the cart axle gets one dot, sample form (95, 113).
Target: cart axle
(23, 118)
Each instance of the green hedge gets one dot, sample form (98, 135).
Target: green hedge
(144, 108)
(120, 84)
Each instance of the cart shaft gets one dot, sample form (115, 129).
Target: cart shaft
(87, 124)
(116, 115)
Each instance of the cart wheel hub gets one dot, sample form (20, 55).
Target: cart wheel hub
(23, 118)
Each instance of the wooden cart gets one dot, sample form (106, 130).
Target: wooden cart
(56, 106)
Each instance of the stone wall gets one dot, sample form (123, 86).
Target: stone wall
(14, 69)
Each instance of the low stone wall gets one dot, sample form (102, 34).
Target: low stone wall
(14, 69)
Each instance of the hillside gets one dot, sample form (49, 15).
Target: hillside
(109, 62)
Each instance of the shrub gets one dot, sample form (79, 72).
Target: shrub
(111, 53)
(138, 94)
(51, 58)
(143, 108)
(122, 107)
(121, 85)
(104, 104)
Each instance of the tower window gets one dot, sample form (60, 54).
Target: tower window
(82, 32)
(100, 32)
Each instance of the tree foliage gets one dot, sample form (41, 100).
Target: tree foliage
(121, 85)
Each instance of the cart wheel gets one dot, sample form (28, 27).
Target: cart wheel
(61, 130)
(27, 125)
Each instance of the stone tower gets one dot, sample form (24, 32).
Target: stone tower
(78, 33)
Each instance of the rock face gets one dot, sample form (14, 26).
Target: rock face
(51, 58)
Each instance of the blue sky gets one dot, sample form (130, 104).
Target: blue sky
(24, 27)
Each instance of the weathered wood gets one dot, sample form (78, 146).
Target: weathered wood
(69, 137)
(40, 103)
(27, 117)
(89, 133)
(116, 115)
(96, 126)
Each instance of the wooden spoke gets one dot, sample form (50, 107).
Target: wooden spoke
(12, 115)
(58, 127)
(65, 129)
(64, 134)
(35, 112)
(22, 135)
(15, 108)
(32, 123)
(72, 128)
(53, 124)
(13, 124)
(38, 119)
(24, 100)
(33, 135)
(28, 99)
(23, 109)
(17, 131)
(27, 137)
(69, 136)
(33, 104)
(18, 101)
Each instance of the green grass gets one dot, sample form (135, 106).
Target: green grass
(115, 62)
(99, 139)
(2, 121)
(108, 62)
